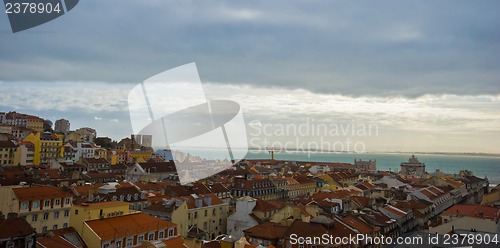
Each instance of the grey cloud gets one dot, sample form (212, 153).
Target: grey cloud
(383, 48)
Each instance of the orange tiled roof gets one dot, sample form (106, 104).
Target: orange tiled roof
(125, 225)
(91, 205)
(477, 211)
(395, 210)
(83, 190)
(453, 182)
(54, 242)
(264, 206)
(268, 230)
(38, 193)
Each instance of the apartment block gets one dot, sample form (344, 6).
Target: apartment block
(44, 207)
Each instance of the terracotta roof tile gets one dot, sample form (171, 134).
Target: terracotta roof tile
(476, 211)
(39, 192)
(14, 228)
(121, 226)
(268, 230)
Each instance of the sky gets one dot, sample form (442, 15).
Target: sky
(424, 73)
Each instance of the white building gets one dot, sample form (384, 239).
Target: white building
(242, 219)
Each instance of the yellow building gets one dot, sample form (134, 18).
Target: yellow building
(34, 123)
(332, 184)
(113, 224)
(73, 136)
(207, 212)
(8, 152)
(48, 146)
(129, 230)
(94, 211)
(143, 154)
(44, 207)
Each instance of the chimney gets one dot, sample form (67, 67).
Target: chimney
(198, 202)
(207, 200)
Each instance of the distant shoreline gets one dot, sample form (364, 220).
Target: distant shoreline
(476, 154)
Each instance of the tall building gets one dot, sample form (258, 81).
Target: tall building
(365, 165)
(142, 139)
(48, 146)
(62, 125)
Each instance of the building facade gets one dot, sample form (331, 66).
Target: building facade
(44, 207)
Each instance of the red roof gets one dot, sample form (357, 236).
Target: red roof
(268, 230)
(126, 225)
(476, 211)
(39, 193)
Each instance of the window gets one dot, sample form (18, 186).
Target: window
(56, 215)
(54, 227)
(65, 225)
(66, 213)
(44, 229)
(195, 215)
(189, 216)
(205, 225)
(160, 235)
(34, 218)
(206, 212)
(66, 201)
(119, 243)
(76, 211)
(213, 211)
(130, 242)
(24, 206)
(45, 216)
(171, 232)
(141, 238)
(36, 204)
(151, 236)
(220, 222)
(46, 203)
(58, 202)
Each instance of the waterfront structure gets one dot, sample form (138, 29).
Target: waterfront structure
(413, 167)
(365, 165)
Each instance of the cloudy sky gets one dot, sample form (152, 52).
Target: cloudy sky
(426, 73)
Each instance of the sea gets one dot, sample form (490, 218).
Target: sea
(481, 165)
